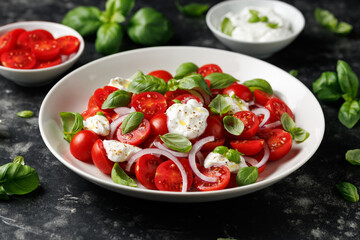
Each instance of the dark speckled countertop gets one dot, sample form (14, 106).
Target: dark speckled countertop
(304, 205)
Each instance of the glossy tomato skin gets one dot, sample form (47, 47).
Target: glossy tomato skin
(277, 108)
(165, 75)
(45, 50)
(149, 103)
(251, 124)
(208, 69)
(145, 170)
(49, 63)
(222, 173)
(184, 98)
(18, 58)
(258, 157)
(170, 95)
(248, 147)
(81, 145)
(261, 97)
(279, 142)
(168, 176)
(100, 159)
(214, 128)
(68, 44)
(135, 137)
(240, 90)
(158, 124)
(28, 38)
(8, 41)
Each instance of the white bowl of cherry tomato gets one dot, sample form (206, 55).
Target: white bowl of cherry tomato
(33, 53)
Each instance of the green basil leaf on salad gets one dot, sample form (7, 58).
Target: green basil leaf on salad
(131, 122)
(219, 105)
(349, 113)
(220, 150)
(259, 83)
(85, 20)
(137, 74)
(149, 27)
(247, 175)
(173, 84)
(297, 134)
(192, 9)
(233, 155)
(220, 80)
(72, 123)
(327, 87)
(353, 156)
(176, 142)
(185, 69)
(287, 122)
(25, 114)
(118, 98)
(194, 81)
(348, 80)
(227, 27)
(120, 177)
(327, 20)
(148, 83)
(233, 125)
(108, 38)
(348, 191)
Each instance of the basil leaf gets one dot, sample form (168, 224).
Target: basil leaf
(327, 20)
(349, 113)
(343, 28)
(348, 191)
(327, 87)
(227, 27)
(194, 81)
(233, 155)
(192, 9)
(353, 156)
(287, 122)
(176, 142)
(247, 175)
(149, 27)
(233, 125)
(348, 80)
(120, 177)
(272, 25)
(294, 72)
(122, 7)
(25, 114)
(299, 134)
(259, 83)
(148, 83)
(220, 150)
(118, 98)
(220, 80)
(219, 105)
(19, 159)
(72, 123)
(3, 194)
(185, 69)
(18, 179)
(85, 20)
(108, 38)
(176, 101)
(131, 122)
(137, 74)
(173, 84)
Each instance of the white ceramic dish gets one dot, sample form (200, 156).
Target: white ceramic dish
(216, 14)
(38, 77)
(71, 94)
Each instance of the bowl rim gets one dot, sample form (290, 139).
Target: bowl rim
(230, 2)
(35, 23)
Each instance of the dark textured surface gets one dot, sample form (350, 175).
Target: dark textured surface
(304, 205)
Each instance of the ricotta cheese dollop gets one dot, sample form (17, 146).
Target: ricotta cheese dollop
(120, 83)
(236, 104)
(98, 124)
(216, 159)
(119, 152)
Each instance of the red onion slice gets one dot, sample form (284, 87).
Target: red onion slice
(205, 95)
(114, 125)
(272, 125)
(192, 159)
(263, 111)
(175, 153)
(200, 157)
(196, 93)
(137, 155)
(264, 159)
(123, 110)
(250, 160)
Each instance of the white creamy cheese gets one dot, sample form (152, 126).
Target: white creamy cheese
(187, 119)
(236, 104)
(120, 83)
(258, 31)
(216, 159)
(119, 152)
(98, 124)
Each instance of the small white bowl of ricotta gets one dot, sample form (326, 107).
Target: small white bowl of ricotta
(258, 28)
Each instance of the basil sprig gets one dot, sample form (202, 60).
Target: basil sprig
(327, 20)
(118, 98)
(259, 83)
(185, 69)
(148, 83)
(348, 191)
(247, 175)
(227, 27)
(353, 156)
(17, 178)
(220, 80)
(72, 123)
(131, 122)
(120, 177)
(192, 9)
(298, 134)
(176, 142)
(233, 125)
(219, 105)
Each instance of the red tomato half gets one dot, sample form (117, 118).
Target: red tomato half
(100, 159)
(241, 91)
(149, 103)
(209, 69)
(49, 63)
(214, 128)
(261, 97)
(45, 50)
(165, 75)
(168, 176)
(9, 40)
(136, 136)
(280, 143)
(158, 124)
(18, 58)
(145, 170)
(248, 147)
(277, 108)
(222, 173)
(170, 95)
(184, 98)
(251, 124)
(101, 94)
(27, 39)
(81, 145)
(258, 157)
(68, 44)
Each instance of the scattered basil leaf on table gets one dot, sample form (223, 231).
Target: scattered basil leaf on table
(327, 87)
(348, 80)
(185, 69)
(194, 81)
(3, 194)
(25, 114)
(108, 38)
(349, 113)
(72, 123)
(131, 122)
(219, 105)
(247, 175)
(233, 125)
(118, 98)
(294, 72)
(259, 83)
(233, 155)
(176, 142)
(348, 191)
(120, 177)
(148, 83)
(122, 7)
(326, 19)
(353, 156)
(220, 80)
(19, 159)
(227, 27)
(192, 9)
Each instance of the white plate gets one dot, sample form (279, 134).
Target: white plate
(71, 94)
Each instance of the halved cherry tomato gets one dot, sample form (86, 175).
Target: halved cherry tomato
(248, 147)
(261, 97)
(184, 98)
(81, 144)
(214, 128)
(280, 143)
(208, 69)
(48, 63)
(251, 124)
(145, 170)
(277, 108)
(101, 94)
(149, 142)
(68, 44)
(45, 50)
(258, 157)
(170, 95)
(158, 124)
(100, 159)
(241, 91)
(165, 75)
(168, 176)
(222, 173)
(9, 40)
(136, 136)
(149, 103)
(18, 58)
(27, 39)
